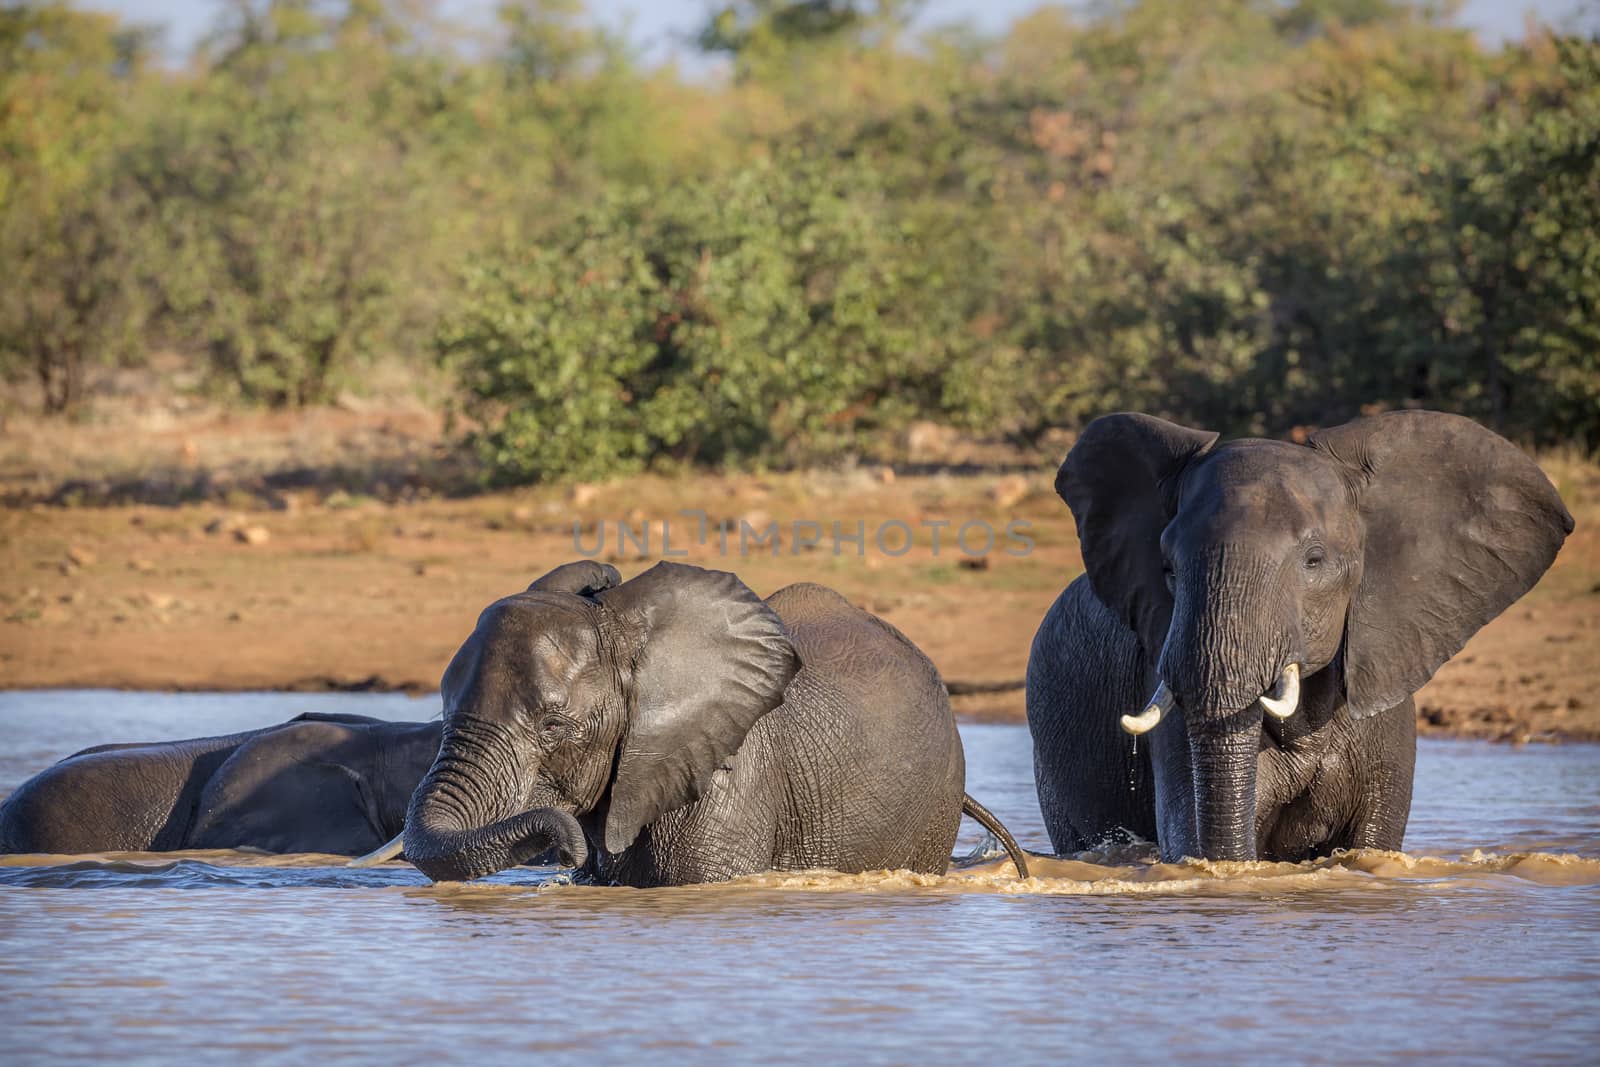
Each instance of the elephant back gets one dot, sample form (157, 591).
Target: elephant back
(866, 733)
(129, 798)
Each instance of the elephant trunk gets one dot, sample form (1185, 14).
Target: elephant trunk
(1224, 754)
(448, 843)
(1227, 649)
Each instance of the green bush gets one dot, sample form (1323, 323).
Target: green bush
(546, 348)
(778, 314)
(1251, 215)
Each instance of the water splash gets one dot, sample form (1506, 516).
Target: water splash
(1126, 871)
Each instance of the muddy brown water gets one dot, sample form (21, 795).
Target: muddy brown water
(1481, 943)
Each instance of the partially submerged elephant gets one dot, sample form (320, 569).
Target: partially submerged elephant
(317, 783)
(676, 728)
(1260, 614)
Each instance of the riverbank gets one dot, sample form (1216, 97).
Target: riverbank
(317, 587)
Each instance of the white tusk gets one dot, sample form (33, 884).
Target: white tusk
(1285, 698)
(381, 853)
(1146, 720)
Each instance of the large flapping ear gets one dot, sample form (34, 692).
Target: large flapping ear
(713, 660)
(1458, 524)
(1120, 480)
(585, 578)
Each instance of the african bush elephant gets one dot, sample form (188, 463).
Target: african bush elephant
(676, 728)
(317, 783)
(1282, 603)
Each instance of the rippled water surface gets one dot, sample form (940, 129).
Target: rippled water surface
(1481, 943)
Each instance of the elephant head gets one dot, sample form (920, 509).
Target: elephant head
(590, 698)
(1277, 586)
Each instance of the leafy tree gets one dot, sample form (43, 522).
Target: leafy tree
(296, 183)
(1253, 215)
(68, 225)
(773, 26)
(1522, 208)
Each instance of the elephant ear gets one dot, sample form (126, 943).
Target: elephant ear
(1120, 480)
(584, 578)
(1458, 524)
(713, 659)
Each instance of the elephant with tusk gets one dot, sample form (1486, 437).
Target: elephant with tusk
(1282, 703)
(1258, 615)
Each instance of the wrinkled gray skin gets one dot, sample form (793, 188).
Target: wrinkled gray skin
(676, 728)
(1369, 556)
(318, 783)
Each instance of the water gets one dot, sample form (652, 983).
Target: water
(1480, 944)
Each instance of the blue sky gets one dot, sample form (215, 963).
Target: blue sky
(659, 26)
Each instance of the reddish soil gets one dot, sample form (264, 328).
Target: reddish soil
(261, 586)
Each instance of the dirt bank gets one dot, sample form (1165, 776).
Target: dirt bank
(319, 588)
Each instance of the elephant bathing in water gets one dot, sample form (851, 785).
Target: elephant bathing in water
(676, 728)
(1261, 614)
(317, 783)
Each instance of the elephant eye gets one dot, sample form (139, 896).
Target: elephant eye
(1314, 559)
(552, 727)
(1168, 576)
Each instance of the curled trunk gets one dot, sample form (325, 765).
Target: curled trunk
(449, 846)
